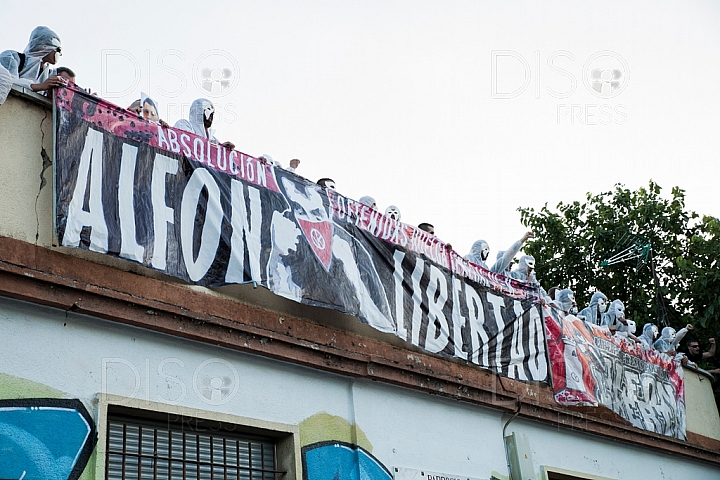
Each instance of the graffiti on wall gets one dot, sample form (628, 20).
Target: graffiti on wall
(45, 438)
(334, 460)
(334, 449)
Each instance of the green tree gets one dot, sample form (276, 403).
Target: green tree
(701, 264)
(679, 280)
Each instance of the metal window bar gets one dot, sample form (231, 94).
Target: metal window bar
(168, 458)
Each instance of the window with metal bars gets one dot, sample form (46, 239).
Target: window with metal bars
(140, 448)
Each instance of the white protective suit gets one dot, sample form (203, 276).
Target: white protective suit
(42, 41)
(525, 265)
(615, 312)
(505, 258)
(669, 339)
(627, 330)
(648, 336)
(367, 200)
(590, 313)
(565, 299)
(6, 81)
(506, 270)
(478, 253)
(200, 109)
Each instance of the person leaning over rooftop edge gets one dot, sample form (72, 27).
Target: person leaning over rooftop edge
(326, 182)
(369, 201)
(393, 212)
(694, 354)
(31, 69)
(202, 114)
(430, 228)
(66, 73)
(503, 263)
(149, 111)
(593, 313)
(427, 227)
(294, 164)
(136, 107)
(480, 250)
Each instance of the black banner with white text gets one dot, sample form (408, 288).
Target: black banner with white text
(179, 204)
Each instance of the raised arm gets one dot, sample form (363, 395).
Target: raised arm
(510, 253)
(711, 353)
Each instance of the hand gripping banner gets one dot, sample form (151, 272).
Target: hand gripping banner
(180, 204)
(592, 367)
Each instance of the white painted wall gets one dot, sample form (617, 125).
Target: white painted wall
(595, 455)
(27, 128)
(406, 428)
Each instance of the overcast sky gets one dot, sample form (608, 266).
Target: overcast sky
(458, 112)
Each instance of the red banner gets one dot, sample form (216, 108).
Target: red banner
(591, 366)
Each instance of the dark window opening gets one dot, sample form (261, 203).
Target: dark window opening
(142, 447)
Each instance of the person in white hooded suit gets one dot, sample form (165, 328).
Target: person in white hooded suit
(200, 119)
(593, 312)
(670, 339)
(650, 333)
(369, 201)
(565, 300)
(32, 68)
(628, 331)
(614, 318)
(479, 253)
(525, 271)
(480, 250)
(393, 212)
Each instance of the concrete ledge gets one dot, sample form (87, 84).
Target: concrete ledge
(702, 372)
(30, 96)
(701, 410)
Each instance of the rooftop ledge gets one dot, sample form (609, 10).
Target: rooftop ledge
(33, 269)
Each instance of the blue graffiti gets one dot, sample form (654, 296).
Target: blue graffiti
(46, 439)
(341, 461)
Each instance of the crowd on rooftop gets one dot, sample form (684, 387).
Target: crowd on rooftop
(34, 69)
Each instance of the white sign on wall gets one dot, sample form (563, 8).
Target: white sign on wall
(401, 473)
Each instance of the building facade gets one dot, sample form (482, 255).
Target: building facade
(155, 378)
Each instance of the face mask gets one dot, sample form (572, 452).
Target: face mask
(208, 111)
(330, 185)
(602, 306)
(485, 252)
(530, 264)
(393, 213)
(631, 326)
(574, 310)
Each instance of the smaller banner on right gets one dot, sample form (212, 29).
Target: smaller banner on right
(592, 367)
